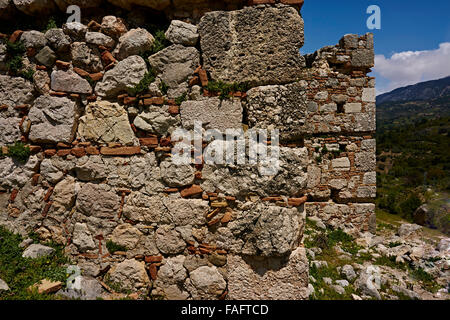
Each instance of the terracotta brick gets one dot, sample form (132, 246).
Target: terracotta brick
(35, 179)
(96, 76)
(49, 152)
(62, 145)
(108, 58)
(46, 208)
(295, 202)
(4, 107)
(13, 195)
(92, 98)
(81, 72)
(153, 259)
(15, 36)
(198, 175)
(203, 77)
(153, 271)
(121, 151)
(31, 52)
(227, 217)
(42, 68)
(92, 150)
(48, 194)
(35, 149)
(174, 110)
(129, 100)
(62, 64)
(272, 199)
(94, 25)
(58, 94)
(194, 81)
(149, 142)
(63, 152)
(78, 152)
(194, 190)
(171, 190)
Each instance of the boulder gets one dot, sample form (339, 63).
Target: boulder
(206, 283)
(129, 275)
(75, 30)
(106, 122)
(15, 91)
(100, 39)
(82, 237)
(175, 175)
(86, 57)
(124, 76)
(33, 39)
(134, 42)
(180, 32)
(53, 120)
(409, 230)
(46, 56)
(37, 250)
(9, 130)
(256, 44)
(69, 81)
(255, 278)
(3, 286)
(58, 40)
(97, 200)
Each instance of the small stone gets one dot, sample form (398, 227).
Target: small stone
(36, 251)
(180, 32)
(46, 56)
(46, 286)
(3, 286)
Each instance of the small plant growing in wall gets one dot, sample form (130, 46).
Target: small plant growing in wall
(226, 89)
(19, 152)
(114, 247)
(14, 60)
(179, 100)
(143, 85)
(163, 87)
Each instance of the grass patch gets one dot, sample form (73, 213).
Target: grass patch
(143, 85)
(426, 279)
(328, 291)
(20, 273)
(179, 100)
(19, 152)
(114, 247)
(226, 89)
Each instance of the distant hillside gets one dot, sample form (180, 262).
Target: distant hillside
(429, 90)
(426, 100)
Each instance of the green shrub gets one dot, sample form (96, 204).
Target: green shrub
(114, 247)
(19, 152)
(163, 87)
(51, 24)
(179, 100)
(225, 89)
(145, 82)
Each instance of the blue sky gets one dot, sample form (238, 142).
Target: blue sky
(413, 44)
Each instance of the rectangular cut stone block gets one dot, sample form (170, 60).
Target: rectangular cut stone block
(255, 278)
(256, 44)
(212, 113)
(352, 217)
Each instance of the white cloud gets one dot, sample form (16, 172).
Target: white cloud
(410, 67)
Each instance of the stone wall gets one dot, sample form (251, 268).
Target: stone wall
(101, 167)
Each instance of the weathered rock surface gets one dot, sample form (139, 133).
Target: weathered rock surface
(86, 57)
(134, 42)
(53, 120)
(180, 32)
(9, 130)
(99, 39)
(69, 82)
(129, 275)
(84, 288)
(212, 113)
(58, 40)
(106, 122)
(37, 250)
(206, 283)
(123, 77)
(236, 45)
(254, 278)
(15, 91)
(35, 7)
(82, 237)
(157, 120)
(33, 39)
(98, 200)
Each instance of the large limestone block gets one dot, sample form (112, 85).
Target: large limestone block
(98, 200)
(268, 230)
(134, 42)
(254, 278)
(256, 44)
(125, 75)
(106, 122)
(53, 119)
(129, 275)
(35, 7)
(180, 32)
(15, 91)
(212, 113)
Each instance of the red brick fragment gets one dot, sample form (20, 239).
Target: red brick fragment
(62, 64)
(153, 259)
(149, 142)
(15, 36)
(203, 77)
(194, 190)
(121, 151)
(174, 110)
(78, 152)
(63, 152)
(49, 152)
(13, 195)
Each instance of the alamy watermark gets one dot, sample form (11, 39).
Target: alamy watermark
(374, 20)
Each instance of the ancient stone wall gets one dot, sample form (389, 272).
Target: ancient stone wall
(101, 171)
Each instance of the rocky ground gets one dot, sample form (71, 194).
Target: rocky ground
(398, 262)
